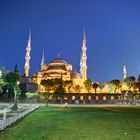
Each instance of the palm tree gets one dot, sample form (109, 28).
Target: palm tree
(88, 84)
(13, 79)
(95, 86)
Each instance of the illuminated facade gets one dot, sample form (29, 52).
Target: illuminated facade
(58, 68)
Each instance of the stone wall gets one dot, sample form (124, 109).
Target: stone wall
(84, 98)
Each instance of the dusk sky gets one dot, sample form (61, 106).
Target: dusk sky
(112, 32)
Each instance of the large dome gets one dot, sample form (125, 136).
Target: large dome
(58, 64)
(56, 61)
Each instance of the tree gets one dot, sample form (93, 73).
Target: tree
(136, 88)
(68, 85)
(59, 88)
(88, 84)
(95, 86)
(13, 79)
(2, 83)
(116, 83)
(48, 84)
(3, 73)
(56, 85)
(46, 96)
(101, 86)
(77, 88)
(111, 88)
(138, 85)
(30, 96)
(129, 81)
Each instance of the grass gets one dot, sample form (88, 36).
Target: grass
(58, 123)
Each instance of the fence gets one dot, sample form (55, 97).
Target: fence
(4, 123)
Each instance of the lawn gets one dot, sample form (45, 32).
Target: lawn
(86, 123)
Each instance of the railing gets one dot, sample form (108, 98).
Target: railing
(4, 123)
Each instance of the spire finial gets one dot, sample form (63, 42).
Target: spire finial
(42, 61)
(84, 33)
(29, 36)
(58, 55)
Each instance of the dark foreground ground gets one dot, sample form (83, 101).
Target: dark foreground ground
(75, 123)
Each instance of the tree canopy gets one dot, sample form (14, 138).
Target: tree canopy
(12, 78)
(116, 83)
(88, 84)
(95, 86)
(57, 85)
(129, 81)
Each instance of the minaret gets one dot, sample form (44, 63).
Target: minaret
(83, 64)
(42, 61)
(27, 57)
(124, 71)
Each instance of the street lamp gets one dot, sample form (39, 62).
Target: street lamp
(18, 82)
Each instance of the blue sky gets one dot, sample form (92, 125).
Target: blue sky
(112, 31)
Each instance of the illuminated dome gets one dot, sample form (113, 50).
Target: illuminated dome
(56, 68)
(59, 64)
(56, 61)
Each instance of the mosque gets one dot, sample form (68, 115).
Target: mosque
(59, 68)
